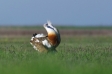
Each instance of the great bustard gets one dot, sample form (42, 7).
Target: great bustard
(46, 43)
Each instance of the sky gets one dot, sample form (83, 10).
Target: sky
(60, 12)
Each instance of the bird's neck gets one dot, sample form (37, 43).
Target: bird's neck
(52, 38)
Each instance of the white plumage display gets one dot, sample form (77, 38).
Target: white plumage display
(46, 43)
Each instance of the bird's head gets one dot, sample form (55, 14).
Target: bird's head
(49, 28)
(53, 33)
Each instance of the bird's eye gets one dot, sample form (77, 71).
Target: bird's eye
(50, 27)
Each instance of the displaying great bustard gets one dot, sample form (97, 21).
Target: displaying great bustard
(46, 43)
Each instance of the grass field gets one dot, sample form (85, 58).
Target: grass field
(81, 54)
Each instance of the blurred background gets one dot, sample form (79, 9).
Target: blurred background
(74, 17)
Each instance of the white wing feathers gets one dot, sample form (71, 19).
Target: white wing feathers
(44, 41)
(39, 35)
(32, 38)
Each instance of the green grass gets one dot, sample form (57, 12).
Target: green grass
(76, 55)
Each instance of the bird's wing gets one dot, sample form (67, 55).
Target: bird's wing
(41, 39)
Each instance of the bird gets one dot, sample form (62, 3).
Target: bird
(46, 43)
